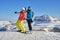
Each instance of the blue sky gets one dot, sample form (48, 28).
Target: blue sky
(40, 7)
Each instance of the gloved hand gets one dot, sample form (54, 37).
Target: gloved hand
(31, 21)
(15, 12)
(24, 19)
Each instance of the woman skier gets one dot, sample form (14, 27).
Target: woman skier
(19, 23)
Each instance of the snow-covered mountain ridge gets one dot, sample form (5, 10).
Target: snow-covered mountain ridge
(47, 18)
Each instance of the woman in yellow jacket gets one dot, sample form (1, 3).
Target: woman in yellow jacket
(19, 23)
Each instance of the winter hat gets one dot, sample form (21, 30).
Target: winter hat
(29, 8)
(23, 8)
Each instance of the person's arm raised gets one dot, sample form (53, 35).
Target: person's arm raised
(17, 12)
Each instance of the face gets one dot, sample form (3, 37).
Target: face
(29, 9)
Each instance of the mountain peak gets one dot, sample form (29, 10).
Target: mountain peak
(46, 17)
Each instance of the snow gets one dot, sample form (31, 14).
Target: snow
(4, 22)
(36, 35)
(46, 18)
(42, 30)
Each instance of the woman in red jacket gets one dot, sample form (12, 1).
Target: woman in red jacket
(19, 23)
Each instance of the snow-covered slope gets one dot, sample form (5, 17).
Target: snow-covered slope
(36, 35)
(6, 25)
(44, 23)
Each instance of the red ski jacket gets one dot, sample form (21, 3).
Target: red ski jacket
(22, 15)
